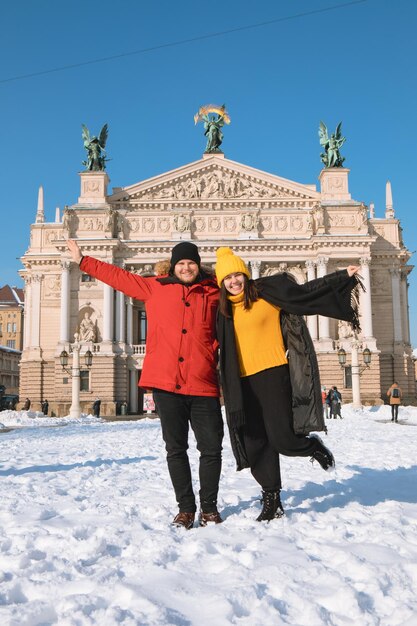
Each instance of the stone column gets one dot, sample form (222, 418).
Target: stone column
(311, 319)
(120, 317)
(35, 313)
(129, 322)
(108, 314)
(255, 267)
(26, 314)
(366, 298)
(404, 306)
(356, 375)
(75, 408)
(323, 321)
(396, 304)
(133, 399)
(65, 301)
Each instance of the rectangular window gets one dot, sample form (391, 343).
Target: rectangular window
(85, 278)
(84, 380)
(14, 327)
(65, 381)
(11, 343)
(143, 327)
(9, 327)
(348, 377)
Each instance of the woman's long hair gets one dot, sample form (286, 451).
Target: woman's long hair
(250, 295)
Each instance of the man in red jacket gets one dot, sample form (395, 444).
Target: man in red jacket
(180, 367)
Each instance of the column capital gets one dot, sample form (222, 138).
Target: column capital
(365, 261)
(310, 264)
(256, 265)
(395, 272)
(65, 264)
(322, 261)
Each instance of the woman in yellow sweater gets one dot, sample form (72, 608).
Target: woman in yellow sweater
(269, 370)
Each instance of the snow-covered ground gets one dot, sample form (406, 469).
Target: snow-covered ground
(85, 534)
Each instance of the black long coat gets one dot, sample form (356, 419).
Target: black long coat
(334, 295)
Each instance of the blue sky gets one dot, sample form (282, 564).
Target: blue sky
(354, 63)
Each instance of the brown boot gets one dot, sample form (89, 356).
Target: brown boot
(186, 520)
(206, 518)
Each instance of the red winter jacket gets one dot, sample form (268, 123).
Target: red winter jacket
(181, 345)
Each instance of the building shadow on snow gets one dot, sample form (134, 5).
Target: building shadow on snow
(367, 487)
(12, 471)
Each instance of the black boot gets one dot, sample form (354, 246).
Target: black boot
(323, 455)
(272, 507)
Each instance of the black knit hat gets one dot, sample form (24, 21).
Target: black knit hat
(184, 250)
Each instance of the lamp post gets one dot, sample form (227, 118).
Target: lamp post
(357, 370)
(75, 409)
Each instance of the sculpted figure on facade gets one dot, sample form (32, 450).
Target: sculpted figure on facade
(68, 220)
(362, 216)
(269, 270)
(212, 187)
(191, 189)
(331, 156)
(344, 330)
(110, 221)
(87, 328)
(96, 154)
(318, 215)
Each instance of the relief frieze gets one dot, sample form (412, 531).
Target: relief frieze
(281, 223)
(267, 224)
(216, 184)
(91, 223)
(148, 225)
(215, 224)
(52, 287)
(200, 224)
(163, 224)
(230, 224)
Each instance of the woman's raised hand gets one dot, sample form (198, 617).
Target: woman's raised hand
(352, 269)
(75, 251)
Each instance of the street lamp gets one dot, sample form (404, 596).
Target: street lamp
(341, 355)
(356, 368)
(75, 409)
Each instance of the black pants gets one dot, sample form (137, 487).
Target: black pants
(268, 430)
(176, 412)
(394, 411)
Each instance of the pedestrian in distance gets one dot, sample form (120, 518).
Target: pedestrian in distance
(395, 395)
(269, 369)
(26, 405)
(335, 398)
(96, 407)
(325, 402)
(45, 407)
(180, 367)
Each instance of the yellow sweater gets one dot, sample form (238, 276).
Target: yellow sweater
(258, 336)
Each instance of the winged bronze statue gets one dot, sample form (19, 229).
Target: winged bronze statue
(213, 125)
(95, 146)
(331, 156)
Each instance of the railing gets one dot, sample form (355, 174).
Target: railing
(139, 349)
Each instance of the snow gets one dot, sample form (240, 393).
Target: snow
(85, 534)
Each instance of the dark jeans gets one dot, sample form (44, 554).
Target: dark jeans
(268, 429)
(394, 411)
(203, 413)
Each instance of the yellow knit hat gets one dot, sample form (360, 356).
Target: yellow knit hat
(229, 263)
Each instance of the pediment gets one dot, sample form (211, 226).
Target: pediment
(214, 178)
